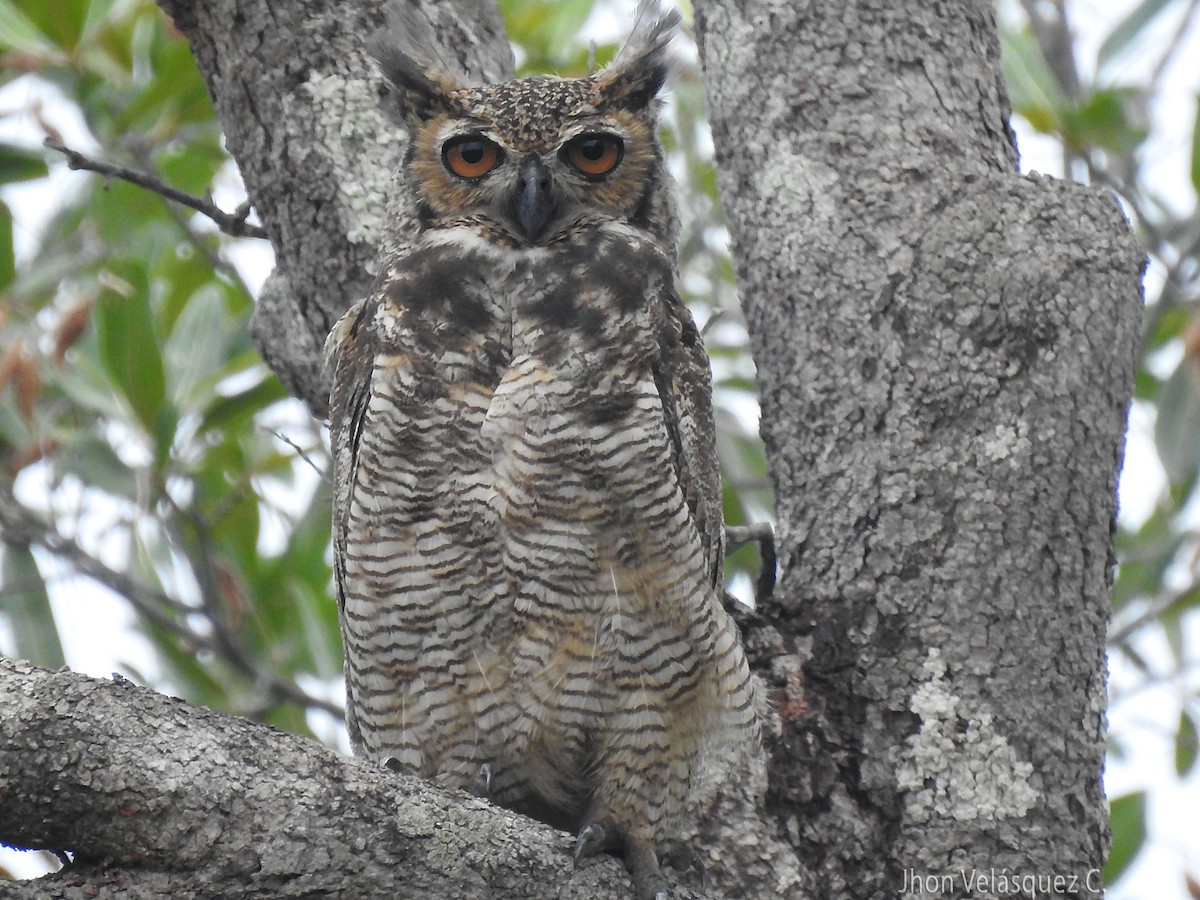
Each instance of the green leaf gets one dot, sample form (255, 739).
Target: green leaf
(175, 96)
(128, 344)
(194, 680)
(90, 388)
(1145, 556)
(62, 20)
(288, 717)
(1169, 326)
(1103, 119)
(191, 166)
(235, 411)
(8, 266)
(1146, 386)
(97, 14)
(196, 348)
(1127, 816)
(24, 602)
(1194, 169)
(1032, 87)
(1121, 38)
(18, 32)
(14, 431)
(96, 464)
(232, 513)
(546, 30)
(1187, 744)
(1178, 423)
(21, 164)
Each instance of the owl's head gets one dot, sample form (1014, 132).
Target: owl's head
(538, 158)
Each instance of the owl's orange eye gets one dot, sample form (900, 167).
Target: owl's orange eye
(471, 156)
(594, 154)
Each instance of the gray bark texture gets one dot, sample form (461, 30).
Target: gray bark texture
(945, 355)
(159, 799)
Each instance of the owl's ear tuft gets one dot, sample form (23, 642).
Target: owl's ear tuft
(413, 62)
(641, 66)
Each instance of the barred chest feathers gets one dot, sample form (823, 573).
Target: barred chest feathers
(527, 526)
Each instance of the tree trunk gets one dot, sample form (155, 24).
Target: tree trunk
(945, 355)
(943, 436)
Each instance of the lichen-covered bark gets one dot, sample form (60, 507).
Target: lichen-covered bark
(298, 101)
(945, 353)
(156, 798)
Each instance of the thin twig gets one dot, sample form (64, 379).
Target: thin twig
(1053, 35)
(716, 316)
(234, 224)
(764, 535)
(1176, 41)
(302, 453)
(198, 239)
(1153, 611)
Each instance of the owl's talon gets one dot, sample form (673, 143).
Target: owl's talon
(592, 839)
(481, 784)
(642, 862)
(682, 858)
(392, 764)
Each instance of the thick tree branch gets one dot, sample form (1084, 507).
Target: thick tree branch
(233, 224)
(156, 798)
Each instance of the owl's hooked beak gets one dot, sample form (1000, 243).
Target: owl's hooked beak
(534, 200)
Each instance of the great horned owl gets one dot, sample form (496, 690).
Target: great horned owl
(527, 510)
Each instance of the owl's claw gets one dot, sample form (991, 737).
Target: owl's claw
(591, 840)
(392, 764)
(683, 858)
(481, 784)
(640, 858)
(642, 862)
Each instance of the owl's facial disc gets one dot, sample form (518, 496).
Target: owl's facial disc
(533, 202)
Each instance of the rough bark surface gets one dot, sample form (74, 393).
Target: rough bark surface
(298, 101)
(945, 353)
(156, 798)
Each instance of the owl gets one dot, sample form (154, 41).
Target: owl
(527, 508)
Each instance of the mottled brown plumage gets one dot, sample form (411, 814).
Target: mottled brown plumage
(527, 517)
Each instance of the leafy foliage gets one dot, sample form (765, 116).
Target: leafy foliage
(136, 415)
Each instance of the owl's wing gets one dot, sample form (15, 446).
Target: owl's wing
(685, 386)
(417, 565)
(350, 360)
